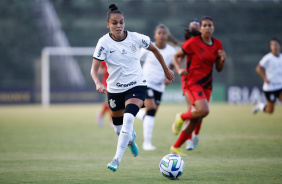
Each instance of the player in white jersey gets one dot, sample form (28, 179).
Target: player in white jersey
(270, 70)
(126, 87)
(156, 81)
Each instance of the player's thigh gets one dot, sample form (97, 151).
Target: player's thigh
(187, 98)
(280, 96)
(135, 101)
(150, 103)
(270, 106)
(202, 105)
(118, 113)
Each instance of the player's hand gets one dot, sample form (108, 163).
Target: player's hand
(267, 81)
(166, 81)
(101, 88)
(182, 72)
(169, 74)
(222, 55)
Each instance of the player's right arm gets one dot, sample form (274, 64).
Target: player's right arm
(260, 71)
(177, 60)
(94, 74)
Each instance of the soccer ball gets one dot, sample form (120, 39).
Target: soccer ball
(172, 166)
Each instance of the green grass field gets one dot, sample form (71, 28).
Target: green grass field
(63, 144)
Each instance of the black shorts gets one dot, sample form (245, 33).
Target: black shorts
(117, 101)
(151, 93)
(272, 95)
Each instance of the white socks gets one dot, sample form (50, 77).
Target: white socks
(125, 135)
(261, 106)
(117, 128)
(148, 126)
(140, 115)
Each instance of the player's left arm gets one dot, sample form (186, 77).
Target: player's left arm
(219, 63)
(168, 73)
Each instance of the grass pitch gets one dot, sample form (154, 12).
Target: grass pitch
(63, 144)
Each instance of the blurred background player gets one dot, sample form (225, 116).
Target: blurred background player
(105, 106)
(193, 30)
(156, 81)
(203, 52)
(126, 87)
(270, 70)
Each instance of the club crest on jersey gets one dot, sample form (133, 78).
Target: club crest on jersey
(112, 103)
(123, 51)
(133, 48)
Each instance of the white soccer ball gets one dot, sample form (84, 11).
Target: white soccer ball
(172, 166)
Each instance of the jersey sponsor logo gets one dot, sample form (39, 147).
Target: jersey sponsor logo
(133, 48)
(145, 43)
(100, 51)
(123, 52)
(111, 51)
(112, 103)
(126, 85)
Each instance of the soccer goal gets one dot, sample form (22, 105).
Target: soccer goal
(47, 52)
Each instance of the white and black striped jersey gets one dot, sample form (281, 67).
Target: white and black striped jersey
(123, 60)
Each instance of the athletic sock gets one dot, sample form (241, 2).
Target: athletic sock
(197, 129)
(148, 126)
(189, 137)
(181, 139)
(125, 135)
(141, 114)
(186, 115)
(117, 128)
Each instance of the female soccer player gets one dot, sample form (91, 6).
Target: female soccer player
(193, 30)
(155, 78)
(126, 88)
(105, 107)
(203, 52)
(270, 70)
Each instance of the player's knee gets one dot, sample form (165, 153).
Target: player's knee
(117, 120)
(151, 112)
(204, 112)
(132, 109)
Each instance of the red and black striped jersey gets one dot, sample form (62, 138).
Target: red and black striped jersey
(200, 60)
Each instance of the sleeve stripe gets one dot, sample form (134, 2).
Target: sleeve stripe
(98, 59)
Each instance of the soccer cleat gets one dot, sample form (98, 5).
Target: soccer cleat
(177, 151)
(133, 146)
(100, 121)
(177, 124)
(113, 165)
(195, 140)
(189, 145)
(259, 107)
(148, 147)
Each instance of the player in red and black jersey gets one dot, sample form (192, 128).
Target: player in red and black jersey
(105, 107)
(203, 52)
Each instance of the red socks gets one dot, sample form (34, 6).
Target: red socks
(181, 139)
(197, 129)
(186, 115)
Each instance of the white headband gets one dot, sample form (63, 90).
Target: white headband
(194, 22)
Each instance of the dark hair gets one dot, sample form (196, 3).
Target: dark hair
(113, 9)
(206, 18)
(275, 39)
(188, 33)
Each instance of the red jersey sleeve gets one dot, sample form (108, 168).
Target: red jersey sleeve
(186, 47)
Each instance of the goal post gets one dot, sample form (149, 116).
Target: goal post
(45, 66)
